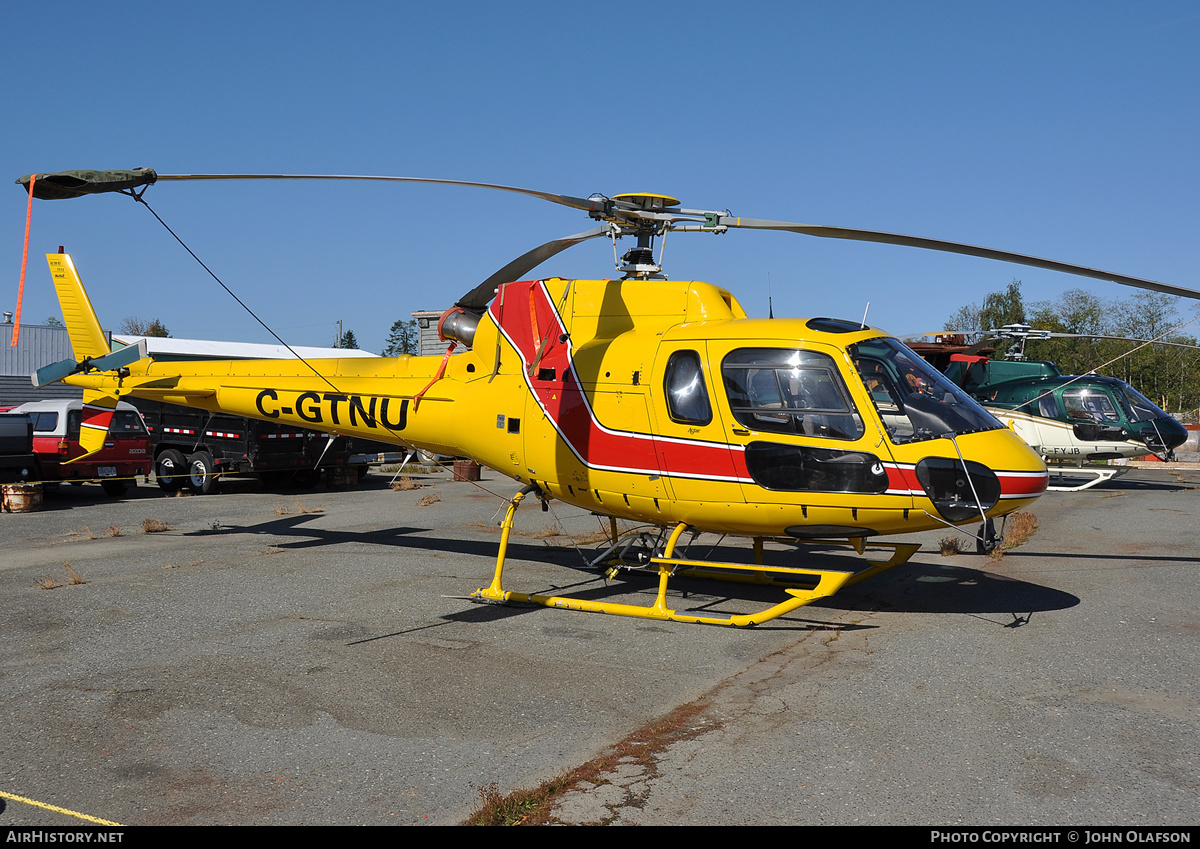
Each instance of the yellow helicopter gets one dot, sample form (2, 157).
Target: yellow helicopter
(639, 398)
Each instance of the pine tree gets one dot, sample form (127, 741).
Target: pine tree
(402, 339)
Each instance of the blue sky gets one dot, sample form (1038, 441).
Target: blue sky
(1064, 130)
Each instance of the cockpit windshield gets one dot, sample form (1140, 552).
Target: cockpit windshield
(1139, 408)
(915, 401)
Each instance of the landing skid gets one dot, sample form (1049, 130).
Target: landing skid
(796, 582)
(1100, 476)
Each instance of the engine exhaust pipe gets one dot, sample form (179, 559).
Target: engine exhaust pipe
(458, 325)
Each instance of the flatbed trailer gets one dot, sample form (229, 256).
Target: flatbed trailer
(194, 448)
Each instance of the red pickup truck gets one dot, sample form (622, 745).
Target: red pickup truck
(126, 452)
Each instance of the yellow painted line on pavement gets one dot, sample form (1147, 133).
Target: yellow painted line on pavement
(57, 809)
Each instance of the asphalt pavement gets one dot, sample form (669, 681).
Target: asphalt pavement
(312, 658)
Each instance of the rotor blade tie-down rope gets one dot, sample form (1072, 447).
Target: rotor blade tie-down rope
(24, 259)
(138, 197)
(543, 342)
(438, 375)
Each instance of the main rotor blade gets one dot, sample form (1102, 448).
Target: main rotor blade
(1058, 335)
(957, 248)
(478, 298)
(585, 204)
(72, 184)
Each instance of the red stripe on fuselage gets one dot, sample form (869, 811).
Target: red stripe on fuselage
(567, 406)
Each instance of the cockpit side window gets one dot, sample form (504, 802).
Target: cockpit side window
(783, 390)
(687, 396)
(1085, 404)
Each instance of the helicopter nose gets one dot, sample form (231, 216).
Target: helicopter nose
(1167, 431)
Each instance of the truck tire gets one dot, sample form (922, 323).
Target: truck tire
(112, 487)
(169, 470)
(201, 473)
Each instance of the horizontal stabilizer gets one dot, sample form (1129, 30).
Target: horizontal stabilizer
(64, 368)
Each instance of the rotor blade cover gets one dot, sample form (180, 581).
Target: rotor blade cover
(73, 184)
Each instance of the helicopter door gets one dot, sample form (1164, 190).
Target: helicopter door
(691, 437)
(1095, 420)
(810, 442)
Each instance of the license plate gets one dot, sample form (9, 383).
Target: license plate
(107, 471)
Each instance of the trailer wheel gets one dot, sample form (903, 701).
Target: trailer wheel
(169, 470)
(113, 487)
(201, 473)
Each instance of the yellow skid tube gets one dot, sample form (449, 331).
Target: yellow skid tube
(828, 582)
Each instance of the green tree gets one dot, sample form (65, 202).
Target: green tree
(1001, 308)
(53, 321)
(1166, 374)
(402, 339)
(348, 341)
(135, 326)
(998, 309)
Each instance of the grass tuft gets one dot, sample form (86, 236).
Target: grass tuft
(428, 499)
(73, 577)
(520, 807)
(154, 526)
(405, 484)
(951, 546)
(1018, 528)
(534, 807)
(113, 531)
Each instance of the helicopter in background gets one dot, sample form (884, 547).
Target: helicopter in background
(639, 398)
(1071, 420)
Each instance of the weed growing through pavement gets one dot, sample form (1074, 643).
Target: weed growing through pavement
(49, 583)
(154, 526)
(405, 484)
(301, 508)
(428, 499)
(534, 806)
(951, 546)
(1018, 528)
(113, 531)
(176, 565)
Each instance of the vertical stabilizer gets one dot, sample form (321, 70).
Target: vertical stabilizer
(87, 339)
(98, 409)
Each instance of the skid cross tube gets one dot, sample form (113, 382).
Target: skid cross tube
(827, 583)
